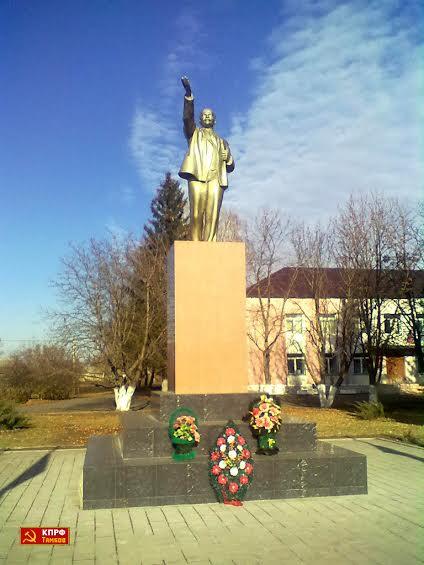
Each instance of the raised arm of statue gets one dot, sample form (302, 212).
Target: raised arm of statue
(188, 112)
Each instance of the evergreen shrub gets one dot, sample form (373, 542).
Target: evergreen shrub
(11, 418)
(369, 410)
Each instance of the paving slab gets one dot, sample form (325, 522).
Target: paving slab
(386, 526)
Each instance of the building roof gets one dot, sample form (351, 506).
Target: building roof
(300, 282)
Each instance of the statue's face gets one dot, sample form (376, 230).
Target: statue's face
(207, 118)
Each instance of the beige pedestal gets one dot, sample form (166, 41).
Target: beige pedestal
(207, 350)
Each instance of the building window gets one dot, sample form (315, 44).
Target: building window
(328, 324)
(359, 366)
(391, 323)
(294, 323)
(419, 322)
(331, 365)
(295, 364)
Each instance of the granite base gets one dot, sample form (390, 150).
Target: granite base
(110, 481)
(231, 406)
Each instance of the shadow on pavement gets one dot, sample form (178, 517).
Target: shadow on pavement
(35, 469)
(392, 451)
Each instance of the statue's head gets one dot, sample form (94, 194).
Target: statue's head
(207, 118)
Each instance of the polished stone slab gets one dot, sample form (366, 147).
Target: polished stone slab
(207, 406)
(109, 481)
(144, 435)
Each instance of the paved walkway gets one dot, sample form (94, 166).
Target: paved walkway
(384, 527)
(99, 402)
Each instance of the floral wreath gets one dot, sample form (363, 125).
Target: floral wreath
(231, 466)
(183, 426)
(265, 415)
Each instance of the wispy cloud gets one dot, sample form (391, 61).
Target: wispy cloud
(153, 144)
(336, 109)
(156, 142)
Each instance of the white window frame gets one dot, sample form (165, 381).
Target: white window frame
(328, 359)
(394, 320)
(295, 357)
(325, 320)
(363, 368)
(293, 320)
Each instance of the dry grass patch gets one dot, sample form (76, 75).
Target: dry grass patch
(71, 429)
(333, 423)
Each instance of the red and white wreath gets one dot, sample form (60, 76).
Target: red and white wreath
(231, 466)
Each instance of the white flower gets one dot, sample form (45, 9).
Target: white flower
(232, 454)
(240, 447)
(233, 471)
(231, 439)
(242, 464)
(223, 447)
(222, 464)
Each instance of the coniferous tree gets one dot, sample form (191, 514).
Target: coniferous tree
(169, 221)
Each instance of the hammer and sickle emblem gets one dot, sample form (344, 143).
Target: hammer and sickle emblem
(30, 537)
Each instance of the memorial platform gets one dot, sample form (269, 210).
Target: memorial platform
(136, 467)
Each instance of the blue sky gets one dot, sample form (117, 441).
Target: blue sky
(317, 99)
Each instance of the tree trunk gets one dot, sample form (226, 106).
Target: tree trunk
(322, 395)
(123, 396)
(331, 395)
(152, 377)
(267, 367)
(373, 396)
(326, 400)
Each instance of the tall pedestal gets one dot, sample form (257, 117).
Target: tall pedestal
(207, 350)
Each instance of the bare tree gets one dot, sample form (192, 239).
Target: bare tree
(408, 256)
(347, 337)
(331, 329)
(231, 227)
(363, 237)
(266, 240)
(310, 245)
(108, 304)
(44, 371)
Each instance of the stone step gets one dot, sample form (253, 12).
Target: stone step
(145, 435)
(111, 482)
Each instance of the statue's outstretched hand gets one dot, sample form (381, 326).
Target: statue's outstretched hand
(186, 85)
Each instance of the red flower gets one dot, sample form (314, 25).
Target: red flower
(255, 411)
(222, 479)
(244, 480)
(216, 470)
(245, 454)
(220, 441)
(233, 487)
(249, 468)
(230, 431)
(215, 456)
(241, 440)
